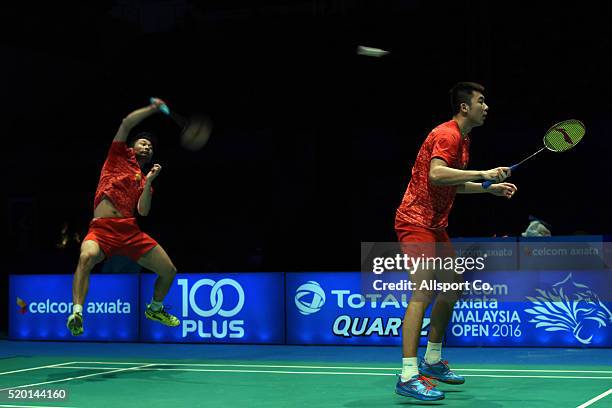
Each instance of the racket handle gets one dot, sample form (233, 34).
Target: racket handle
(163, 107)
(487, 184)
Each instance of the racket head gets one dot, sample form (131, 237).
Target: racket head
(564, 135)
(196, 132)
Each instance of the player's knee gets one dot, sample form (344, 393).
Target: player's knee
(87, 258)
(170, 271)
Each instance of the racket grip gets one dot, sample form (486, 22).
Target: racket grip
(163, 107)
(487, 184)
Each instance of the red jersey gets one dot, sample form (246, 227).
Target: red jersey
(121, 180)
(424, 204)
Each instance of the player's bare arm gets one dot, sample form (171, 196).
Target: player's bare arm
(134, 118)
(440, 174)
(144, 202)
(499, 189)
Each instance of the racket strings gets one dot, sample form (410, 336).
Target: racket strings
(564, 135)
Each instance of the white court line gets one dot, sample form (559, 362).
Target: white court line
(537, 376)
(501, 370)
(345, 368)
(597, 398)
(36, 368)
(74, 378)
(144, 368)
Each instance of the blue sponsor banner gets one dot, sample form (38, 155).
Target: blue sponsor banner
(536, 308)
(527, 309)
(220, 308)
(329, 308)
(40, 304)
(573, 252)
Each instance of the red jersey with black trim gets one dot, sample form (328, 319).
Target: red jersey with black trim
(121, 180)
(424, 204)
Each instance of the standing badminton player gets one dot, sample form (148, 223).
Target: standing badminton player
(123, 188)
(421, 219)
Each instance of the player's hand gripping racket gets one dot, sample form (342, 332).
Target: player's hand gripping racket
(559, 138)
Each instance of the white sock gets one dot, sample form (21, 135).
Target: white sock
(410, 368)
(77, 309)
(433, 354)
(155, 305)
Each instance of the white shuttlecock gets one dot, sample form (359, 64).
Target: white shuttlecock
(371, 52)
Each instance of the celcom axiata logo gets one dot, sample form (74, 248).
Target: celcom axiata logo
(570, 306)
(309, 298)
(48, 306)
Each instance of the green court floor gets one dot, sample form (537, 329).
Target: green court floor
(288, 378)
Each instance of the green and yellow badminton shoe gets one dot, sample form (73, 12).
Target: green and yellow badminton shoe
(162, 316)
(75, 324)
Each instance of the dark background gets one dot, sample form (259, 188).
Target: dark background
(312, 144)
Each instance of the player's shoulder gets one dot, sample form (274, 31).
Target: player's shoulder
(118, 146)
(119, 150)
(447, 130)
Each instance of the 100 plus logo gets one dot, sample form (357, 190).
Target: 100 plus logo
(225, 301)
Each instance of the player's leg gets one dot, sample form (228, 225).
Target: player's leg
(410, 384)
(90, 256)
(413, 318)
(445, 301)
(158, 261)
(432, 365)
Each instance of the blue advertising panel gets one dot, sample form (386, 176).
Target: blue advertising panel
(329, 308)
(530, 309)
(518, 308)
(40, 304)
(536, 308)
(220, 308)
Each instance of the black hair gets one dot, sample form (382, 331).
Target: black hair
(461, 92)
(142, 135)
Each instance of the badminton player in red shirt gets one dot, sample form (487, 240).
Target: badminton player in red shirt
(438, 174)
(123, 188)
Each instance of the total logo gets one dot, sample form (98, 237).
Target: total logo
(51, 307)
(310, 298)
(214, 307)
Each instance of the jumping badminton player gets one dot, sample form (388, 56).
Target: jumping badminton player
(113, 231)
(438, 174)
